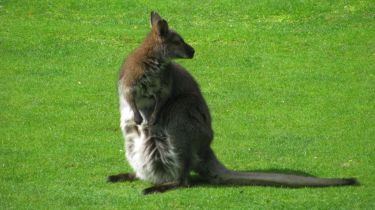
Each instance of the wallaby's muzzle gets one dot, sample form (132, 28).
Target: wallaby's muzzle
(189, 51)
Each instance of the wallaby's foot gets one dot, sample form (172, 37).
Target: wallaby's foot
(162, 188)
(122, 177)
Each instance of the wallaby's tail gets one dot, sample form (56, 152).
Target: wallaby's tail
(216, 173)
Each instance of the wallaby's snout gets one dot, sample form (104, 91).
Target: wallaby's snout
(189, 51)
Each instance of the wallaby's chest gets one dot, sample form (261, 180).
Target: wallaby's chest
(148, 85)
(147, 88)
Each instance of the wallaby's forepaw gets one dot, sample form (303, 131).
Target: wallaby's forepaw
(152, 120)
(138, 119)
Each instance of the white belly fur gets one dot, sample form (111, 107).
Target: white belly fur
(136, 155)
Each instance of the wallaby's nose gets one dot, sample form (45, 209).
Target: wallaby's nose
(191, 52)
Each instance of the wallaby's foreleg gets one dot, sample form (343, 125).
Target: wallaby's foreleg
(122, 177)
(129, 96)
(159, 102)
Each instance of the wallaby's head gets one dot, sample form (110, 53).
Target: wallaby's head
(169, 42)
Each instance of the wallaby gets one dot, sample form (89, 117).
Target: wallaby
(179, 141)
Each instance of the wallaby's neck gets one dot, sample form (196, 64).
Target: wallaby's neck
(152, 51)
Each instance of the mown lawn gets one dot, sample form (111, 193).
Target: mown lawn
(290, 84)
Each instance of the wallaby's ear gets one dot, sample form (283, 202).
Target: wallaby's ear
(158, 24)
(162, 28)
(154, 18)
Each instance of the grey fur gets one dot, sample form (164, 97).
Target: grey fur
(180, 142)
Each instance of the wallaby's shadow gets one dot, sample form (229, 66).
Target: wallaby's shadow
(198, 181)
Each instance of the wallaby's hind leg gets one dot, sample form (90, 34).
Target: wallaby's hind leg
(183, 181)
(209, 167)
(122, 177)
(166, 186)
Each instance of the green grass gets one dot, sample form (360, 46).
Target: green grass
(290, 84)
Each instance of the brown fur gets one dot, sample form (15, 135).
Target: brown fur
(135, 67)
(146, 80)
